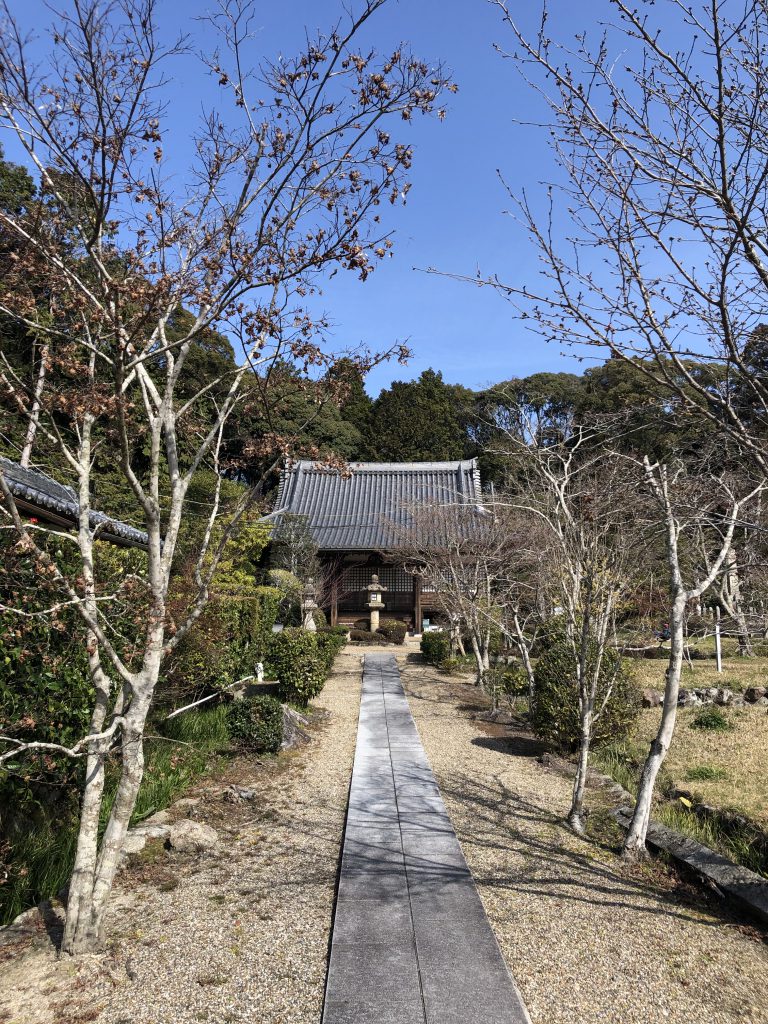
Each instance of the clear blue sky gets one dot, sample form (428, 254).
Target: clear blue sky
(455, 218)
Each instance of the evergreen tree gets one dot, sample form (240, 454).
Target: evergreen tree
(420, 420)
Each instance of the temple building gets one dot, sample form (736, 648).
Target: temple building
(363, 523)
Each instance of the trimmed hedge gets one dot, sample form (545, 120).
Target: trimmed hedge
(256, 724)
(299, 664)
(364, 636)
(393, 630)
(436, 647)
(225, 644)
(330, 642)
(554, 713)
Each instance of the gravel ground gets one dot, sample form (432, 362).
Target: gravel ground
(241, 936)
(244, 936)
(587, 938)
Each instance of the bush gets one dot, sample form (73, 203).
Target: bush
(509, 683)
(232, 635)
(330, 642)
(393, 630)
(364, 624)
(436, 647)
(555, 706)
(299, 664)
(711, 719)
(364, 636)
(256, 724)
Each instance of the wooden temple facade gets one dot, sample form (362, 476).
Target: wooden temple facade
(360, 522)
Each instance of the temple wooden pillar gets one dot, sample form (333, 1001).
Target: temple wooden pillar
(335, 602)
(417, 604)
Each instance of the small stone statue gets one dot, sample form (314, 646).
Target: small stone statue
(259, 672)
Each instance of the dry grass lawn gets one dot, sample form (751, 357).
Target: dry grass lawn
(737, 674)
(739, 756)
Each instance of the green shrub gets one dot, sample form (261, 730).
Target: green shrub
(509, 683)
(364, 636)
(256, 724)
(364, 624)
(393, 630)
(436, 647)
(555, 707)
(231, 636)
(711, 719)
(330, 642)
(299, 665)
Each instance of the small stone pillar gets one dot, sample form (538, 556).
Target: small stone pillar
(375, 589)
(308, 607)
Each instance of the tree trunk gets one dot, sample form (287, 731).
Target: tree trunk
(634, 843)
(576, 814)
(34, 412)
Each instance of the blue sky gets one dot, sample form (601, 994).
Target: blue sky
(455, 218)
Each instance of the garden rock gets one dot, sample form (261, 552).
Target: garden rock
(134, 842)
(193, 837)
(753, 693)
(652, 698)
(238, 794)
(498, 716)
(27, 923)
(688, 698)
(188, 806)
(723, 696)
(150, 830)
(158, 818)
(294, 729)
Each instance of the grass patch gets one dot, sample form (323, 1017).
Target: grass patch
(706, 773)
(738, 844)
(41, 860)
(711, 719)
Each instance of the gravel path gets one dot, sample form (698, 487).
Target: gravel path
(587, 938)
(236, 937)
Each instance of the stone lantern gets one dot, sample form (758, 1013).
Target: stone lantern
(308, 607)
(375, 590)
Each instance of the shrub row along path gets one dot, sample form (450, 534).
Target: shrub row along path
(411, 941)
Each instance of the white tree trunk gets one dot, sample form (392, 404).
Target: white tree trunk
(34, 412)
(634, 844)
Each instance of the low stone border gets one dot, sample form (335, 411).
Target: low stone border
(745, 888)
(721, 695)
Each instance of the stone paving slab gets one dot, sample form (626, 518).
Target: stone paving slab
(411, 941)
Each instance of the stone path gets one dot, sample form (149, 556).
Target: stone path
(411, 942)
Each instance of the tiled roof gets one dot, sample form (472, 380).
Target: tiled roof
(371, 508)
(41, 493)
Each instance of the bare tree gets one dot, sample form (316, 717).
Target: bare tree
(580, 495)
(652, 238)
(704, 513)
(285, 183)
(460, 551)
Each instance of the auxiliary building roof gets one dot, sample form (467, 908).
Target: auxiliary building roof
(39, 494)
(374, 506)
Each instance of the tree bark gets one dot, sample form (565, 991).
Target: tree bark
(634, 844)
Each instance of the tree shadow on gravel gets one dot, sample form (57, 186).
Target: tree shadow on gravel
(498, 819)
(515, 745)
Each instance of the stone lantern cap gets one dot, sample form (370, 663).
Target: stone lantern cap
(375, 586)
